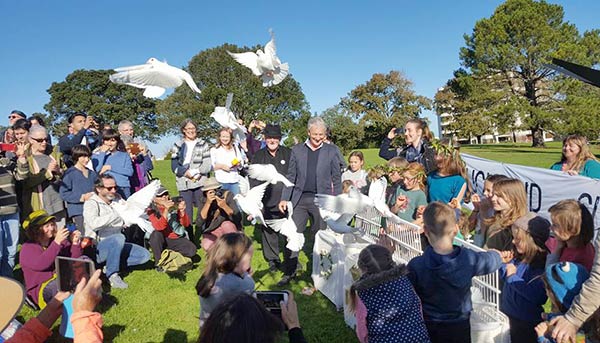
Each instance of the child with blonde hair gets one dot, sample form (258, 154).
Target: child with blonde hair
(523, 294)
(509, 200)
(442, 276)
(483, 208)
(410, 197)
(573, 228)
(395, 169)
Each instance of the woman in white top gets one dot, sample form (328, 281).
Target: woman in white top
(227, 160)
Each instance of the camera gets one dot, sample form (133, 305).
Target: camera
(177, 199)
(219, 192)
(399, 131)
(243, 171)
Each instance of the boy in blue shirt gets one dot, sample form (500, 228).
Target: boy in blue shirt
(442, 276)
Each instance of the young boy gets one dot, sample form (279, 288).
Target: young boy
(442, 276)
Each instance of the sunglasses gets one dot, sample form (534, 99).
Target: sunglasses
(14, 117)
(111, 188)
(40, 140)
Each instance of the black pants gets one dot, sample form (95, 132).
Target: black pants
(459, 332)
(270, 243)
(182, 245)
(304, 210)
(192, 198)
(522, 331)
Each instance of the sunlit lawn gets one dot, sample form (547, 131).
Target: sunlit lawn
(158, 308)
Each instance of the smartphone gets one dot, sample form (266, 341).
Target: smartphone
(8, 147)
(271, 300)
(69, 271)
(399, 131)
(71, 227)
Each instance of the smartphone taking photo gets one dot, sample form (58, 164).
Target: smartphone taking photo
(69, 271)
(272, 300)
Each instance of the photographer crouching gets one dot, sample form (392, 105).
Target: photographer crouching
(169, 219)
(218, 215)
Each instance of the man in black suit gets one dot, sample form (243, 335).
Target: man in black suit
(314, 168)
(279, 156)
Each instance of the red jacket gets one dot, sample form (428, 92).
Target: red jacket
(161, 224)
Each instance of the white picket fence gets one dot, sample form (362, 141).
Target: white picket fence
(488, 324)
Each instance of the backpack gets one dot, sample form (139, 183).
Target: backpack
(172, 261)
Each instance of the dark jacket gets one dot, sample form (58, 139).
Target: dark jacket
(393, 307)
(68, 141)
(216, 216)
(426, 157)
(329, 175)
(445, 288)
(272, 196)
(523, 293)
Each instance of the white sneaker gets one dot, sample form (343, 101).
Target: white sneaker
(117, 282)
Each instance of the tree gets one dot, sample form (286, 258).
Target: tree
(217, 74)
(345, 133)
(383, 102)
(91, 92)
(513, 45)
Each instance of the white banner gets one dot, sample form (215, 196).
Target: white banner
(544, 187)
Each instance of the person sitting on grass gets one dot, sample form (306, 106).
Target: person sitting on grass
(563, 282)
(387, 307)
(442, 276)
(523, 292)
(169, 221)
(244, 319)
(573, 228)
(227, 273)
(44, 243)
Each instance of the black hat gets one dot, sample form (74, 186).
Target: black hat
(271, 130)
(19, 113)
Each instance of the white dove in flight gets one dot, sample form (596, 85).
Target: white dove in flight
(265, 64)
(133, 209)
(268, 173)
(287, 227)
(251, 202)
(225, 117)
(154, 77)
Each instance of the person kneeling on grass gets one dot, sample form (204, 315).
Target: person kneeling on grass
(227, 272)
(244, 319)
(169, 221)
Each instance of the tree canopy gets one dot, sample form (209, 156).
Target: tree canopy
(383, 102)
(91, 92)
(510, 49)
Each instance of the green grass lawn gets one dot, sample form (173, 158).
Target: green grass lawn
(158, 308)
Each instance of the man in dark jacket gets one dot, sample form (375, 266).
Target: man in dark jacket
(279, 156)
(82, 134)
(314, 168)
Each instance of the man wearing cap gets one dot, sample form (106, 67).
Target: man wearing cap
(169, 220)
(104, 224)
(80, 124)
(314, 168)
(278, 156)
(7, 136)
(218, 214)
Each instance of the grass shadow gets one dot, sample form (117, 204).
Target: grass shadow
(112, 331)
(173, 335)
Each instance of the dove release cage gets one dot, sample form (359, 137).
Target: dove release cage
(488, 324)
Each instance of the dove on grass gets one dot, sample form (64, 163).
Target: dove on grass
(265, 64)
(154, 77)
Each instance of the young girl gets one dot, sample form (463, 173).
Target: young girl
(111, 160)
(227, 159)
(509, 200)
(563, 282)
(355, 173)
(412, 196)
(573, 227)
(483, 208)
(448, 184)
(395, 169)
(387, 306)
(227, 272)
(523, 292)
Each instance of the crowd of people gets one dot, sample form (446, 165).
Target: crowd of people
(81, 181)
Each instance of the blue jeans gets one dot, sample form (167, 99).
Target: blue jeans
(113, 250)
(232, 187)
(9, 238)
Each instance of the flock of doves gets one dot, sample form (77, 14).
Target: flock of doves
(155, 77)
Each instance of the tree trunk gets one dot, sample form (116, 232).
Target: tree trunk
(537, 137)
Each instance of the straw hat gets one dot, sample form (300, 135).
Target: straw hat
(210, 183)
(12, 295)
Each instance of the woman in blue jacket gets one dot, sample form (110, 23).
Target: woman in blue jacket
(108, 159)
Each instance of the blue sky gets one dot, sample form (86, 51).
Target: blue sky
(331, 46)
